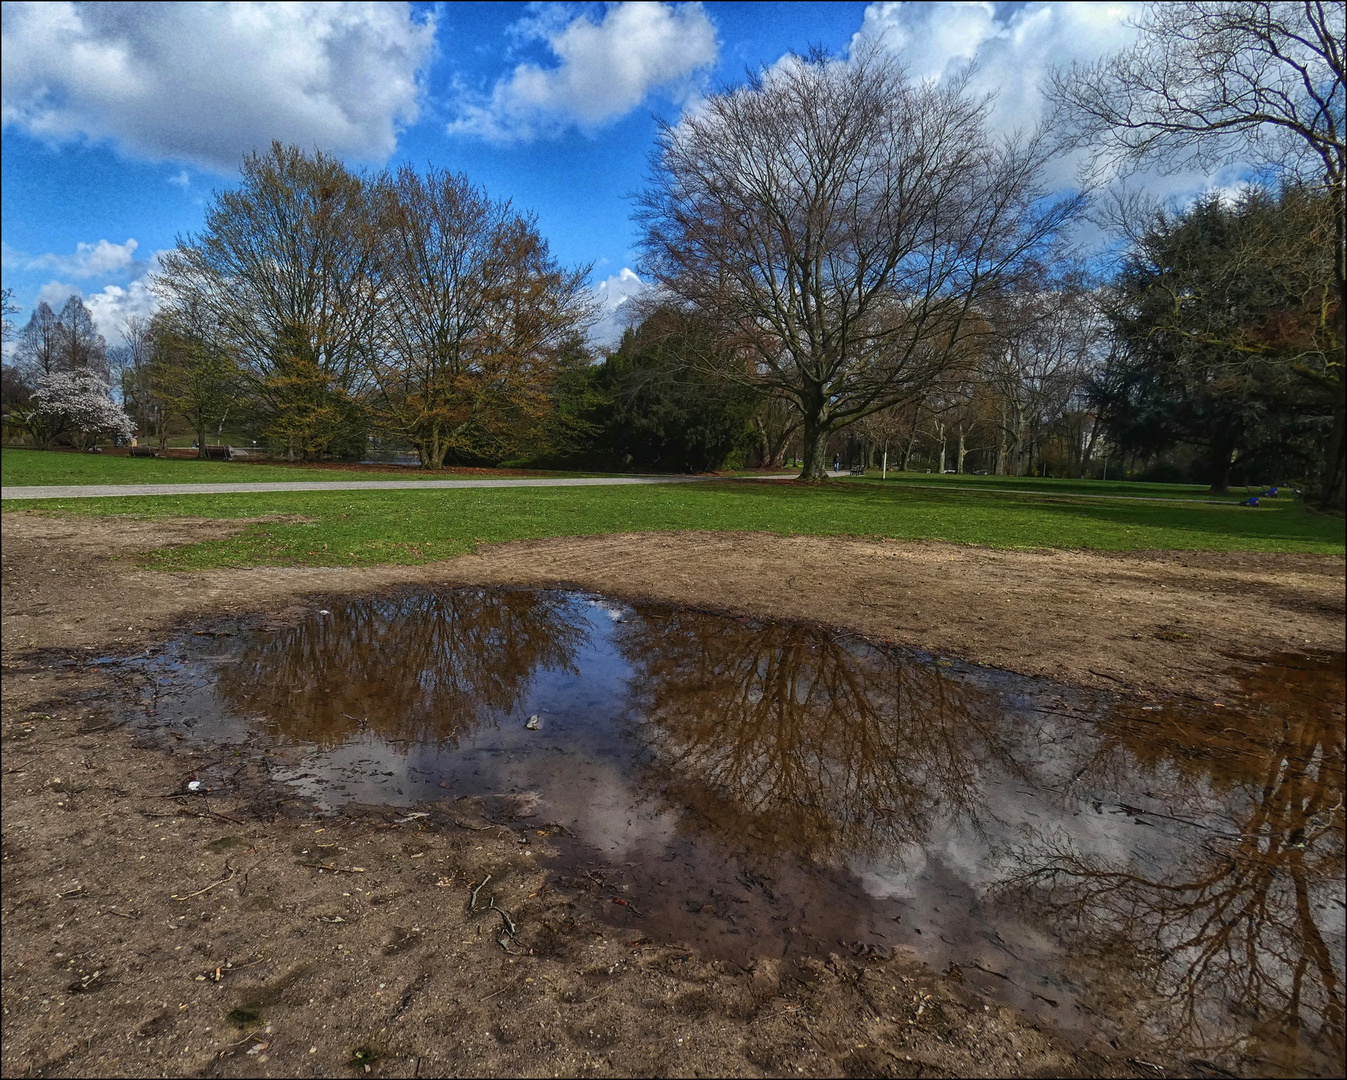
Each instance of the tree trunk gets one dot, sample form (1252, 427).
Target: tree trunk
(905, 461)
(1087, 452)
(1221, 462)
(963, 452)
(884, 468)
(815, 440)
(1333, 480)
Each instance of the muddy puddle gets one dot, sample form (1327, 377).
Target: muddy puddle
(1165, 876)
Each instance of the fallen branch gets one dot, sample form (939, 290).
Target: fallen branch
(227, 877)
(472, 896)
(333, 869)
(510, 927)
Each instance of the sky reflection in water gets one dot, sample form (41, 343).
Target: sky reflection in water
(1171, 873)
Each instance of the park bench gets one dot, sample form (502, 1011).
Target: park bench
(858, 470)
(219, 453)
(143, 451)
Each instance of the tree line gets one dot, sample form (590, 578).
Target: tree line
(845, 262)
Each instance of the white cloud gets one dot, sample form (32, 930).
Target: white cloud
(604, 71)
(112, 305)
(613, 294)
(209, 82)
(1012, 50)
(55, 293)
(88, 260)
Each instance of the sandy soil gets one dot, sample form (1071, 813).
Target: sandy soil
(241, 933)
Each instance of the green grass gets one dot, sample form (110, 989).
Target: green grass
(409, 526)
(1048, 485)
(20, 467)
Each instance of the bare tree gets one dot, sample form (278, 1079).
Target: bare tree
(141, 396)
(1210, 82)
(38, 351)
(7, 308)
(882, 429)
(193, 371)
(81, 346)
(1045, 339)
(775, 426)
(837, 223)
(287, 268)
(476, 315)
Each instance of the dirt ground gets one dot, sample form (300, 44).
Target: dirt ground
(242, 933)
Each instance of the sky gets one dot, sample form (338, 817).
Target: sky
(120, 121)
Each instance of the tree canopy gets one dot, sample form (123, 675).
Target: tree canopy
(837, 223)
(1223, 318)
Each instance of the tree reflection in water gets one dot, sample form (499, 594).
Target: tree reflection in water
(425, 667)
(1215, 921)
(791, 737)
(1249, 927)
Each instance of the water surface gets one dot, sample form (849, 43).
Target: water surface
(1165, 874)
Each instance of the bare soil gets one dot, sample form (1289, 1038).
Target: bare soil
(149, 932)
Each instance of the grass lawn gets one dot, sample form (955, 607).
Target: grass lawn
(408, 526)
(19, 467)
(1050, 485)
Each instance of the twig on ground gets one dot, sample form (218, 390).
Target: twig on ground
(331, 869)
(510, 927)
(208, 888)
(472, 896)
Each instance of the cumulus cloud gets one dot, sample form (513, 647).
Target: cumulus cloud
(604, 70)
(613, 294)
(87, 261)
(1012, 50)
(111, 304)
(207, 83)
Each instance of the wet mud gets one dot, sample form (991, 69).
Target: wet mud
(1165, 873)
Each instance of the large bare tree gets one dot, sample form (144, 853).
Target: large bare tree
(287, 268)
(836, 224)
(476, 315)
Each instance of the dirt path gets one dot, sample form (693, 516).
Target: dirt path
(240, 933)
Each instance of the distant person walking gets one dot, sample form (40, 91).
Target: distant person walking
(837, 463)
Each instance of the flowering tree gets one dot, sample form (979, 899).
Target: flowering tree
(77, 404)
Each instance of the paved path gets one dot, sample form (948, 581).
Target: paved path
(104, 491)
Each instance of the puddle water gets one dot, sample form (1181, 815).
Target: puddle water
(1170, 874)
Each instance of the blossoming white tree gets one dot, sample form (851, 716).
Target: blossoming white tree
(78, 404)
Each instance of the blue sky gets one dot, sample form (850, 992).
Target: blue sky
(121, 119)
